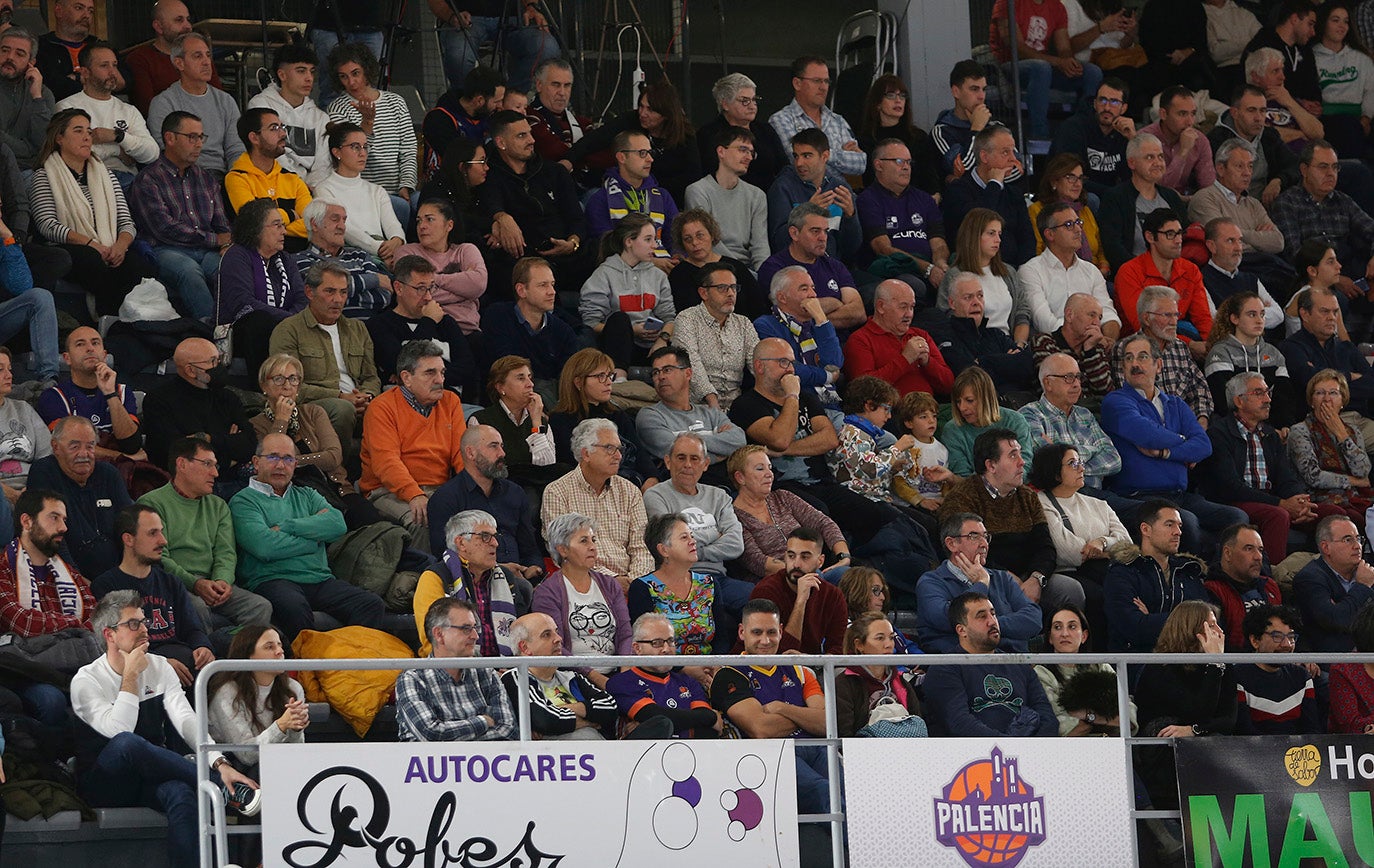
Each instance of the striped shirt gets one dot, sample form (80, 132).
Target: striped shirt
(391, 158)
(43, 206)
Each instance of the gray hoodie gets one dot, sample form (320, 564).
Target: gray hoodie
(307, 136)
(638, 292)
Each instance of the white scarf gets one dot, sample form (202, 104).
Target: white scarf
(26, 583)
(74, 210)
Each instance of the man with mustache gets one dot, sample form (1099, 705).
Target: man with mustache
(93, 490)
(967, 540)
(26, 104)
(59, 50)
(991, 700)
(815, 611)
(175, 630)
(119, 134)
(52, 596)
(411, 440)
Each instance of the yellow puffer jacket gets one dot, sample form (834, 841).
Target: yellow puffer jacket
(356, 695)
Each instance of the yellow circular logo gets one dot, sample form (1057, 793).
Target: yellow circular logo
(1303, 764)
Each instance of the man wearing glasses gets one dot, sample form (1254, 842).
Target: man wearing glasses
(1162, 264)
(256, 174)
(178, 208)
(901, 223)
(1059, 272)
(283, 531)
(1275, 698)
(197, 401)
(646, 692)
(1334, 587)
(1250, 468)
(675, 413)
(628, 186)
(739, 207)
(719, 341)
(452, 704)
(810, 87)
(418, 317)
(1098, 135)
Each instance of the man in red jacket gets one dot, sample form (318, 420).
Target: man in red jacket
(889, 347)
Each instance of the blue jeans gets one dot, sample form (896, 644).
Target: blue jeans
(187, 272)
(813, 779)
(324, 42)
(45, 703)
(403, 207)
(1038, 78)
(133, 772)
(527, 47)
(35, 309)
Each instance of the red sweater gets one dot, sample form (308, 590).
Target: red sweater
(873, 350)
(1184, 278)
(827, 615)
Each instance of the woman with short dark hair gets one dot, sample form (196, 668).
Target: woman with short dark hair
(259, 283)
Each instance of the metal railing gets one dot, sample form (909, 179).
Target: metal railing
(211, 807)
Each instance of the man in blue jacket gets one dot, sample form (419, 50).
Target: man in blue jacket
(1159, 439)
(992, 700)
(1316, 346)
(967, 540)
(1145, 584)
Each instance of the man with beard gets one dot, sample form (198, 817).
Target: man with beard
(26, 104)
(59, 51)
(646, 692)
(52, 596)
(1124, 206)
(1099, 136)
(483, 484)
(151, 70)
(175, 630)
(119, 135)
(1238, 584)
(411, 438)
(93, 491)
(93, 392)
(991, 700)
(816, 611)
(196, 401)
(256, 174)
(462, 112)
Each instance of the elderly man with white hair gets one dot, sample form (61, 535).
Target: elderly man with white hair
(799, 319)
(1179, 375)
(469, 571)
(736, 97)
(1081, 337)
(369, 287)
(594, 489)
(1124, 206)
(1058, 418)
(889, 347)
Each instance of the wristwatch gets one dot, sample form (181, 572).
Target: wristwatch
(1090, 717)
(1039, 577)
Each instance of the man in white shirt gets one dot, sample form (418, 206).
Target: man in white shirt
(1057, 273)
(119, 135)
(124, 702)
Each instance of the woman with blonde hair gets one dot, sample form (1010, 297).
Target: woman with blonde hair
(584, 392)
(1328, 450)
(1062, 181)
(975, 410)
(977, 250)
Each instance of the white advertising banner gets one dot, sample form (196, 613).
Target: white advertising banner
(982, 802)
(531, 804)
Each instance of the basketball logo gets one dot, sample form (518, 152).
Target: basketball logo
(989, 815)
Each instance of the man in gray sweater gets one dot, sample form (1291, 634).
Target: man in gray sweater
(26, 104)
(217, 111)
(739, 207)
(675, 414)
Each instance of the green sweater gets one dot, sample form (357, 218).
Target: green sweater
(295, 551)
(200, 536)
(959, 439)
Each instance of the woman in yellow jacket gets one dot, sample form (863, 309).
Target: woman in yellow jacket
(1062, 181)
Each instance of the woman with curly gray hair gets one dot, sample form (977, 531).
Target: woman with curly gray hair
(391, 159)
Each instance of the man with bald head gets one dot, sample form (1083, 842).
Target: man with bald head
(564, 704)
(889, 347)
(93, 391)
(283, 531)
(1082, 338)
(196, 401)
(1058, 418)
(150, 65)
(58, 49)
(483, 484)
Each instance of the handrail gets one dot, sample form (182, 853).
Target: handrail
(828, 663)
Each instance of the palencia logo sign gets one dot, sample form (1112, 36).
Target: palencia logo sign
(989, 814)
(1278, 801)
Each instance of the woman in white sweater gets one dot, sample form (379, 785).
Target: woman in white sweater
(1084, 529)
(384, 116)
(372, 223)
(257, 707)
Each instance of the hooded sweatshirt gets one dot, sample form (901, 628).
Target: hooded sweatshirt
(638, 291)
(1347, 80)
(307, 137)
(1229, 357)
(954, 138)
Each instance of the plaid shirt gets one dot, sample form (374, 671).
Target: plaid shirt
(1336, 218)
(792, 120)
(620, 519)
(1049, 424)
(1180, 375)
(171, 207)
(1256, 472)
(432, 706)
(1095, 364)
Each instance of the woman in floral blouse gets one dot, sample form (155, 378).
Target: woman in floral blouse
(686, 598)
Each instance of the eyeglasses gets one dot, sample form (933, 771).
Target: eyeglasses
(1075, 463)
(1257, 393)
(663, 369)
(356, 147)
(1282, 638)
(274, 128)
(877, 591)
(602, 377)
(886, 408)
(1076, 178)
(1327, 167)
(274, 458)
(283, 380)
(786, 363)
(744, 149)
(1170, 234)
(1110, 100)
(747, 101)
(656, 643)
(485, 536)
(723, 287)
(975, 536)
(1348, 539)
(902, 162)
(1164, 314)
(822, 81)
(465, 629)
(642, 153)
(613, 448)
(474, 163)
(193, 138)
(1327, 393)
(422, 288)
(134, 624)
(209, 463)
(895, 96)
(1075, 377)
(1076, 222)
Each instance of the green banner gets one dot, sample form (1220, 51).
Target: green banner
(1294, 801)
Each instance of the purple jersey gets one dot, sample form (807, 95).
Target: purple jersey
(635, 689)
(790, 684)
(68, 399)
(827, 272)
(909, 220)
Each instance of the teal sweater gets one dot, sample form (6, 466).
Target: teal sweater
(959, 439)
(200, 536)
(305, 524)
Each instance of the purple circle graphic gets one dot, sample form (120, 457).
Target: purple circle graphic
(750, 809)
(689, 791)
